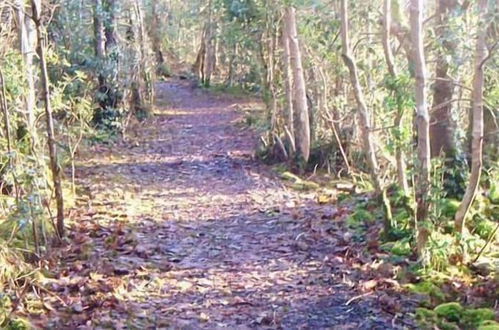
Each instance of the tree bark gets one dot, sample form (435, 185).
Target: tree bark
(157, 45)
(36, 8)
(199, 65)
(441, 121)
(477, 122)
(5, 111)
(99, 42)
(288, 83)
(109, 7)
(28, 40)
(209, 40)
(423, 128)
(300, 106)
(399, 153)
(364, 115)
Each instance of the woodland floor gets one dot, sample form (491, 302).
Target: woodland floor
(180, 227)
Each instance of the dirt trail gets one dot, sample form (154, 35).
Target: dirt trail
(180, 227)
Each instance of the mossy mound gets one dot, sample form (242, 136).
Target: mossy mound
(473, 318)
(426, 318)
(427, 288)
(360, 218)
(298, 183)
(397, 248)
(288, 176)
(19, 324)
(305, 186)
(489, 325)
(452, 311)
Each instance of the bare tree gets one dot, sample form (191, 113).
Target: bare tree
(288, 83)
(477, 121)
(364, 115)
(209, 63)
(36, 8)
(99, 39)
(392, 70)
(300, 106)
(423, 127)
(27, 43)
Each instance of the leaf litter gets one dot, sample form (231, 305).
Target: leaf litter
(180, 227)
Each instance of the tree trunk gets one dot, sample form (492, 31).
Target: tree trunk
(109, 7)
(300, 106)
(477, 122)
(99, 42)
(209, 62)
(288, 83)
(146, 79)
(399, 152)
(364, 116)
(28, 40)
(5, 111)
(157, 45)
(441, 122)
(199, 65)
(423, 128)
(36, 8)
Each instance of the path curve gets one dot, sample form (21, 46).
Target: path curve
(180, 227)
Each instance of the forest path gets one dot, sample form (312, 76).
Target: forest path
(180, 227)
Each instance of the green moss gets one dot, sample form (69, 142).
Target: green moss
(452, 311)
(445, 325)
(489, 325)
(426, 318)
(19, 324)
(359, 218)
(426, 314)
(475, 317)
(343, 197)
(401, 248)
(427, 288)
(494, 193)
(305, 186)
(288, 176)
(280, 168)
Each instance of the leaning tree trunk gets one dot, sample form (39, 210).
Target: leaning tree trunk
(423, 128)
(364, 116)
(5, 111)
(54, 166)
(399, 152)
(477, 122)
(300, 106)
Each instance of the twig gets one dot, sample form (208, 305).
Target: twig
(50, 293)
(358, 297)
